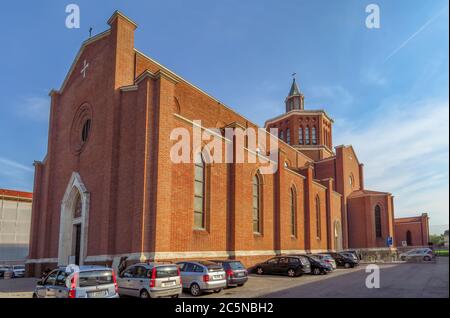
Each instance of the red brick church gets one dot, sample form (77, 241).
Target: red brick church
(107, 187)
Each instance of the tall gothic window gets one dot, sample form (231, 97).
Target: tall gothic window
(199, 192)
(256, 204)
(300, 136)
(314, 136)
(378, 221)
(307, 136)
(288, 136)
(293, 205)
(296, 103)
(318, 219)
(281, 135)
(78, 207)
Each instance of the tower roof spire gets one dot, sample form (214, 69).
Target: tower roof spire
(294, 88)
(295, 99)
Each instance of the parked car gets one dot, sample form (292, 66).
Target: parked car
(425, 254)
(87, 282)
(150, 280)
(202, 276)
(351, 255)
(18, 270)
(327, 259)
(236, 273)
(318, 266)
(344, 260)
(6, 272)
(291, 265)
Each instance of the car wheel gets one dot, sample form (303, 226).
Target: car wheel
(240, 285)
(144, 294)
(176, 296)
(259, 271)
(347, 265)
(403, 258)
(427, 259)
(218, 291)
(291, 272)
(316, 271)
(35, 296)
(195, 290)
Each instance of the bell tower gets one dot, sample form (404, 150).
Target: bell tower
(295, 99)
(309, 131)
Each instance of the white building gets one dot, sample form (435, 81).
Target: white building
(15, 221)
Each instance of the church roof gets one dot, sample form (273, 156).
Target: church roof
(362, 193)
(294, 89)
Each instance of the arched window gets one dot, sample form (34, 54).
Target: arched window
(296, 103)
(85, 130)
(307, 136)
(199, 192)
(293, 205)
(318, 219)
(408, 238)
(351, 180)
(378, 221)
(288, 136)
(256, 204)
(300, 136)
(78, 207)
(314, 136)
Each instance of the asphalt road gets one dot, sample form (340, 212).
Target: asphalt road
(416, 280)
(421, 280)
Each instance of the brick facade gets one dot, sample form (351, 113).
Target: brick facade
(414, 231)
(137, 203)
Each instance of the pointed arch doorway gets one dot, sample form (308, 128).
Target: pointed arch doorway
(73, 229)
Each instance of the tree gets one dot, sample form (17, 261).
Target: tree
(437, 239)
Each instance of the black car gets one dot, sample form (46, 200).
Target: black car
(318, 267)
(291, 265)
(237, 274)
(344, 260)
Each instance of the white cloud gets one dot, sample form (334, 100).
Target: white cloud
(36, 108)
(325, 94)
(405, 149)
(15, 175)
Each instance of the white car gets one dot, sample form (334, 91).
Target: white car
(425, 254)
(18, 270)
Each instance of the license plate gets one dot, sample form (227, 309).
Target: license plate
(240, 274)
(167, 284)
(217, 276)
(97, 294)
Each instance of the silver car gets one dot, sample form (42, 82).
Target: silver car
(425, 254)
(201, 276)
(18, 270)
(84, 282)
(150, 280)
(327, 259)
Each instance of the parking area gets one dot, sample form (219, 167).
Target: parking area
(396, 280)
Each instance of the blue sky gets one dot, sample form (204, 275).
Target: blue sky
(386, 88)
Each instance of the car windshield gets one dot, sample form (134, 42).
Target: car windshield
(166, 271)
(236, 265)
(304, 260)
(95, 278)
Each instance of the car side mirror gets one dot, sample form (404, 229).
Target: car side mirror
(40, 282)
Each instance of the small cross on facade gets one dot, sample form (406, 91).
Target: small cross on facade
(84, 69)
